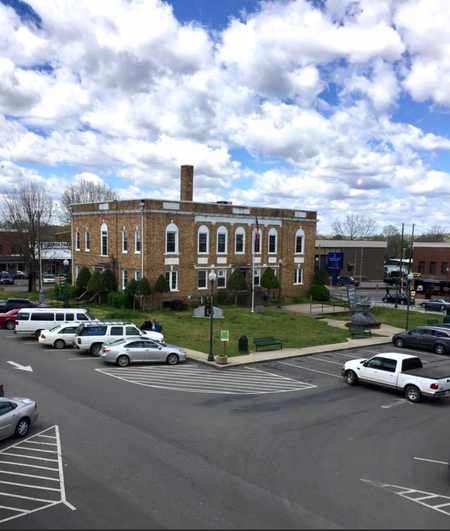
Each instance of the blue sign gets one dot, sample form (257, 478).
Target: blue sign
(335, 261)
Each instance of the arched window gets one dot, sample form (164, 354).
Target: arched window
(171, 239)
(222, 240)
(239, 241)
(300, 242)
(104, 239)
(257, 236)
(273, 241)
(203, 240)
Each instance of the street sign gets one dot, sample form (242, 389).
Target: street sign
(224, 335)
(351, 294)
(335, 261)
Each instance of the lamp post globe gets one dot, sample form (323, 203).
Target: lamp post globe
(212, 278)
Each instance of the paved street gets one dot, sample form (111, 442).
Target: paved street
(281, 444)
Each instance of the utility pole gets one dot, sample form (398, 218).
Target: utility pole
(399, 278)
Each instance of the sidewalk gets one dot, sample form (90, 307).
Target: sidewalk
(386, 331)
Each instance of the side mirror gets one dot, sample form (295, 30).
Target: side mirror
(159, 348)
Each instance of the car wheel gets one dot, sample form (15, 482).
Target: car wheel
(351, 378)
(37, 334)
(422, 304)
(399, 342)
(413, 394)
(442, 307)
(123, 361)
(172, 359)
(22, 427)
(59, 343)
(96, 349)
(384, 299)
(402, 302)
(10, 325)
(439, 349)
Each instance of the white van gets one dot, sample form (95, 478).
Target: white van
(31, 321)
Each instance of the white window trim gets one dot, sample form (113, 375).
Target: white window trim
(124, 272)
(239, 230)
(224, 275)
(206, 280)
(260, 240)
(77, 240)
(86, 248)
(222, 230)
(170, 281)
(302, 272)
(203, 230)
(136, 232)
(124, 232)
(272, 232)
(101, 239)
(300, 232)
(136, 274)
(259, 275)
(77, 271)
(172, 228)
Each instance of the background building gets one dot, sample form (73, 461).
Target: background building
(184, 240)
(11, 249)
(431, 268)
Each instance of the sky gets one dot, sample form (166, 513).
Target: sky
(335, 106)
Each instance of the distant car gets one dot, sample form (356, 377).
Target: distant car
(48, 279)
(59, 336)
(20, 275)
(435, 304)
(347, 281)
(391, 281)
(424, 337)
(16, 304)
(125, 351)
(16, 416)
(6, 278)
(8, 319)
(401, 298)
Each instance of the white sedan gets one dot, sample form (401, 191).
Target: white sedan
(48, 279)
(59, 336)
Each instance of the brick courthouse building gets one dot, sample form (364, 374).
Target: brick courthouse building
(184, 240)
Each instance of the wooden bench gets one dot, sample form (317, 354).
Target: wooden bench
(267, 342)
(433, 322)
(359, 331)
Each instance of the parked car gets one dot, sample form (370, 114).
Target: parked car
(2, 391)
(59, 336)
(436, 304)
(90, 336)
(20, 275)
(391, 281)
(402, 372)
(6, 278)
(16, 416)
(17, 303)
(401, 298)
(48, 279)
(424, 337)
(31, 321)
(125, 351)
(8, 319)
(347, 281)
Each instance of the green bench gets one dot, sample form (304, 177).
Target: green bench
(359, 331)
(267, 342)
(433, 322)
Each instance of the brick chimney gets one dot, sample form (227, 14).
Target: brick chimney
(187, 183)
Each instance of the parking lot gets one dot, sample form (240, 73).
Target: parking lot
(284, 443)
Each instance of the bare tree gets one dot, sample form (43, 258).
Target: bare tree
(353, 227)
(435, 234)
(84, 191)
(26, 209)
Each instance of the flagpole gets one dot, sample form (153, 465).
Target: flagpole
(253, 271)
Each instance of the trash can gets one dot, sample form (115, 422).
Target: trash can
(243, 344)
(177, 305)
(167, 304)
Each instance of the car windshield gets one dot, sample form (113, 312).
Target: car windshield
(54, 328)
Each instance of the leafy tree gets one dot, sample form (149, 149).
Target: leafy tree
(130, 289)
(319, 293)
(110, 280)
(69, 276)
(143, 289)
(353, 227)
(237, 283)
(161, 286)
(83, 278)
(269, 280)
(321, 277)
(435, 234)
(96, 284)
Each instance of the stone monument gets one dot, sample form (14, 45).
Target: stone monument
(364, 317)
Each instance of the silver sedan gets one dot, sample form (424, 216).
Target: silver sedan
(124, 352)
(16, 416)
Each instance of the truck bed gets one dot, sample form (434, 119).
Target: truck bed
(435, 372)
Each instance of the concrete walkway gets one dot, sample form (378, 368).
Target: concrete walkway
(386, 331)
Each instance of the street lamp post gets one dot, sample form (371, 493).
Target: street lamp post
(66, 294)
(212, 278)
(446, 282)
(408, 291)
(280, 263)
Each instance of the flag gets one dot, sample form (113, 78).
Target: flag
(256, 235)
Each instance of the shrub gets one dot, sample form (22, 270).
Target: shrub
(319, 293)
(96, 283)
(143, 289)
(120, 300)
(110, 280)
(321, 278)
(69, 276)
(237, 282)
(269, 281)
(161, 286)
(222, 296)
(83, 278)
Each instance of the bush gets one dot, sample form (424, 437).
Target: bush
(110, 280)
(83, 278)
(321, 278)
(222, 296)
(96, 283)
(319, 293)
(120, 300)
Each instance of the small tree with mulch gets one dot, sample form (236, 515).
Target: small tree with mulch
(161, 286)
(110, 280)
(321, 278)
(96, 284)
(237, 283)
(83, 278)
(269, 280)
(130, 289)
(143, 289)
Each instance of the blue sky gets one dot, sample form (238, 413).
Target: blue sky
(337, 106)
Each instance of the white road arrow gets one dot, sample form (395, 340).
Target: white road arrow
(20, 367)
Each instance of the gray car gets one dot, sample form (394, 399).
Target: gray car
(16, 416)
(436, 304)
(137, 350)
(426, 338)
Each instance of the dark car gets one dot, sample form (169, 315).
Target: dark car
(6, 278)
(436, 304)
(424, 337)
(401, 298)
(17, 303)
(347, 281)
(20, 275)
(391, 281)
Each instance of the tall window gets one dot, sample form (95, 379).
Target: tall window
(77, 240)
(239, 247)
(124, 278)
(444, 268)
(298, 276)
(257, 277)
(87, 241)
(432, 268)
(137, 276)
(421, 266)
(137, 241)
(104, 239)
(202, 283)
(221, 278)
(171, 238)
(77, 271)
(172, 279)
(299, 242)
(203, 239)
(273, 241)
(257, 239)
(124, 240)
(222, 234)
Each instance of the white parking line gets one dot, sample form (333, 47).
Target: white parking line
(329, 361)
(306, 369)
(431, 461)
(397, 402)
(83, 359)
(58, 350)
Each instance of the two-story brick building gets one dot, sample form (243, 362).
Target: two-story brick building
(432, 268)
(185, 239)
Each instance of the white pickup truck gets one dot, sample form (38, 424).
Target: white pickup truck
(402, 372)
